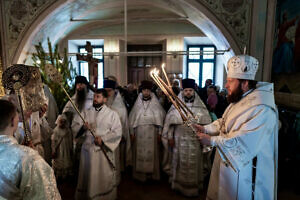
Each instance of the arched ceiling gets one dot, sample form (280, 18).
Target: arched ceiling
(81, 15)
(64, 17)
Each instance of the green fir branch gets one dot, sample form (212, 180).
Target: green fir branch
(64, 66)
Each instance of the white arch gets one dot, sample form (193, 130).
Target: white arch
(198, 14)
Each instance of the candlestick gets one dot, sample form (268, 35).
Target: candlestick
(165, 74)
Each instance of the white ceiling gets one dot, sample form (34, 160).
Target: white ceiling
(107, 17)
(147, 18)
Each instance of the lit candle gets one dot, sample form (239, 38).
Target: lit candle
(165, 74)
(166, 91)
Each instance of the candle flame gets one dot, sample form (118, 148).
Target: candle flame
(155, 72)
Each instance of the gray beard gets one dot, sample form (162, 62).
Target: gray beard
(110, 100)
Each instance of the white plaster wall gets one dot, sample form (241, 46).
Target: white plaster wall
(73, 48)
(174, 63)
(112, 64)
(122, 65)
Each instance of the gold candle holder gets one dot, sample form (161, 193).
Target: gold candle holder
(186, 114)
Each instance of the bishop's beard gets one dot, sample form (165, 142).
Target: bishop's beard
(236, 95)
(80, 98)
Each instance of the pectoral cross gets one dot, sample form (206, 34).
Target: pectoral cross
(92, 62)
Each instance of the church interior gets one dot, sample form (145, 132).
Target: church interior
(127, 39)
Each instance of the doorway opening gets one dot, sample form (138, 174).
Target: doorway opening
(139, 66)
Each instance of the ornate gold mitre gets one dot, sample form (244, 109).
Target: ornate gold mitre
(33, 96)
(2, 91)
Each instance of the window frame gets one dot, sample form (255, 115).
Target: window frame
(101, 60)
(201, 61)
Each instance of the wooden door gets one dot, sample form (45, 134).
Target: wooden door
(139, 67)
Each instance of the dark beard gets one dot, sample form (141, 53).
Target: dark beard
(97, 105)
(236, 95)
(146, 98)
(80, 98)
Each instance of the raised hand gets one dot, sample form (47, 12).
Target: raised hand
(198, 128)
(98, 140)
(204, 138)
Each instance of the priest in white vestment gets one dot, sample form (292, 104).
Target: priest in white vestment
(186, 172)
(83, 99)
(50, 115)
(23, 172)
(97, 179)
(37, 125)
(62, 148)
(146, 122)
(116, 103)
(246, 137)
(39, 133)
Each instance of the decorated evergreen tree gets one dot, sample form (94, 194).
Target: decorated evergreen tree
(62, 64)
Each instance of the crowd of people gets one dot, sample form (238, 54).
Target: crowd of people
(115, 128)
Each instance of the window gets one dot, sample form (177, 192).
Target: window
(201, 67)
(84, 67)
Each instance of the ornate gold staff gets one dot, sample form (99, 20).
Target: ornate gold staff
(14, 78)
(56, 77)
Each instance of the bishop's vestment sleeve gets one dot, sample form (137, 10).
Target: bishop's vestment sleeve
(213, 128)
(38, 180)
(113, 137)
(244, 143)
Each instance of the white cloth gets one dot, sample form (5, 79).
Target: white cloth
(62, 146)
(52, 111)
(247, 130)
(184, 163)
(19, 134)
(40, 135)
(24, 174)
(146, 122)
(123, 154)
(76, 122)
(97, 180)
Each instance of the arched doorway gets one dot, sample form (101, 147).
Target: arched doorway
(55, 22)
